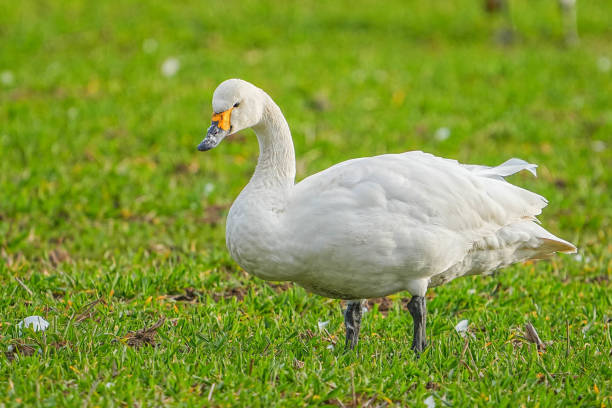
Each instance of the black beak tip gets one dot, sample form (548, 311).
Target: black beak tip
(206, 145)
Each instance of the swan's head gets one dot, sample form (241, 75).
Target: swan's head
(237, 105)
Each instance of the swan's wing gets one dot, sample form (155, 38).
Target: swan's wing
(413, 211)
(507, 168)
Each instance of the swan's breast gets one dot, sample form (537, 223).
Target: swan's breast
(254, 240)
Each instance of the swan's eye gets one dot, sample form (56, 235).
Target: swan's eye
(237, 104)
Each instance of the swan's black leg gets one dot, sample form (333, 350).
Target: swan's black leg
(352, 320)
(418, 310)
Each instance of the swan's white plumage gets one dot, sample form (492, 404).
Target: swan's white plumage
(372, 226)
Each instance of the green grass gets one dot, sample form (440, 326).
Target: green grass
(103, 196)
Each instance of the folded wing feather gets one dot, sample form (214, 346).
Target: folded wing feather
(421, 212)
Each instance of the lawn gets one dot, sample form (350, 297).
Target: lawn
(110, 220)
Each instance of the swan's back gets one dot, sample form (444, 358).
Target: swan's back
(415, 216)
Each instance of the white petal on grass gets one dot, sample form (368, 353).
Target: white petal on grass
(604, 64)
(170, 67)
(149, 46)
(598, 146)
(35, 323)
(323, 325)
(471, 291)
(208, 188)
(442, 133)
(430, 402)
(330, 347)
(7, 78)
(462, 327)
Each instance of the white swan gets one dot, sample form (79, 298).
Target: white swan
(372, 226)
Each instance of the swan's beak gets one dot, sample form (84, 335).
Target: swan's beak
(214, 135)
(219, 128)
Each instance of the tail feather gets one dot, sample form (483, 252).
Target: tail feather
(557, 245)
(548, 243)
(505, 169)
(542, 244)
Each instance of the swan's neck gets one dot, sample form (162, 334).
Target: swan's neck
(253, 232)
(276, 164)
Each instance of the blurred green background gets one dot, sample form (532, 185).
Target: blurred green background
(103, 194)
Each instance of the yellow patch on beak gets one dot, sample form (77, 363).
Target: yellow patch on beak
(223, 119)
